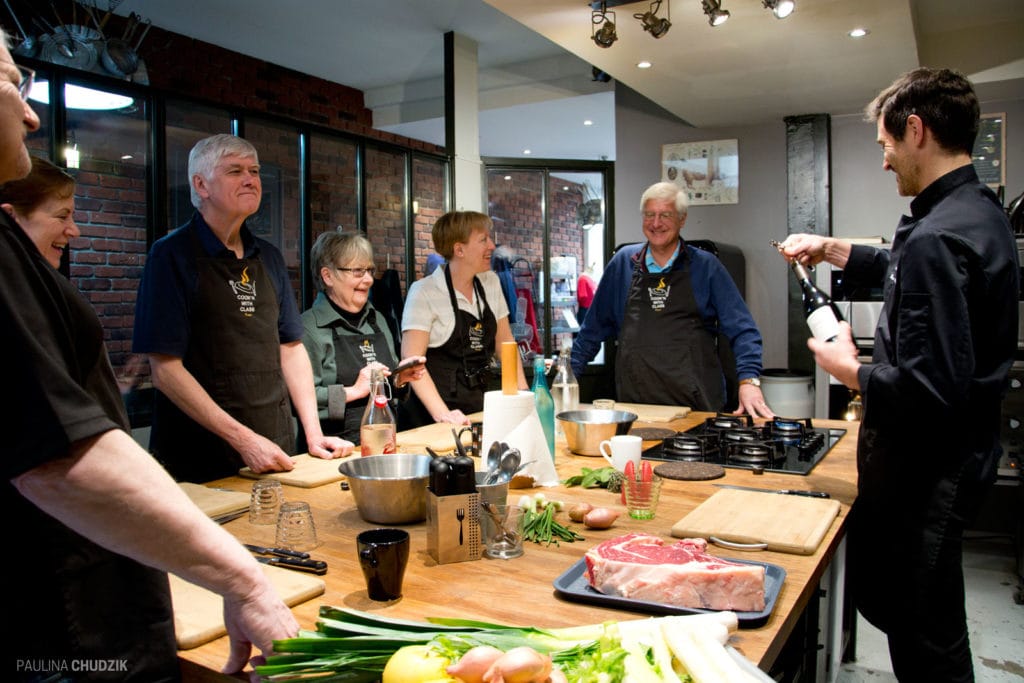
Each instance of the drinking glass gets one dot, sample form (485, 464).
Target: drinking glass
(265, 501)
(642, 497)
(295, 527)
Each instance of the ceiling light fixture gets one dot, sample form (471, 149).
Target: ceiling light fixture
(653, 24)
(859, 32)
(643, 64)
(716, 15)
(588, 122)
(780, 8)
(604, 36)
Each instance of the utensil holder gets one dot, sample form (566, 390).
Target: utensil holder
(453, 527)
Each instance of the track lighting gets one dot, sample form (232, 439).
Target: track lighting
(780, 8)
(656, 26)
(604, 36)
(716, 15)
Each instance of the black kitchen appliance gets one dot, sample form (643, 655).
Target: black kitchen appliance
(786, 445)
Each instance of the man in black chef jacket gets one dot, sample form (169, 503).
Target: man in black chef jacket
(95, 521)
(945, 340)
(218, 318)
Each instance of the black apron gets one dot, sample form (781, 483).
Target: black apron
(234, 352)
(666, 354)
(461, 367)
(351, 354)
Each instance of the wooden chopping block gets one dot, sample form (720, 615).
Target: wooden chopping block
(653, 413)
(437, 436)
(199, 614)
(215, 503)
(788, 524)
(309, 472)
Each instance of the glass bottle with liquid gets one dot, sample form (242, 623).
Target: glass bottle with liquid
(545, 403)
(565, 389)
(819, 310)
(377, 433)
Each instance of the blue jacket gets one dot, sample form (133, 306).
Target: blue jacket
(717, 299)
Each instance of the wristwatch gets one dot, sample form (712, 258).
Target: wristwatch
(756, 381)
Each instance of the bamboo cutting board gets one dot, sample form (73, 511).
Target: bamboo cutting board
(438, 436)
(199, 614)
(214, 502)
(652, 413)
(788, 524)
(309, 472)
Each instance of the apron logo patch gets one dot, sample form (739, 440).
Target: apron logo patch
(368, 352)
(659, 295)
(476, 336)
(245, 292)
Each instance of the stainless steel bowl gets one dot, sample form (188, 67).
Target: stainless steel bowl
(389, 489)
(586, 429)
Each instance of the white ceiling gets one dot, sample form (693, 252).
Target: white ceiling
(535, 58)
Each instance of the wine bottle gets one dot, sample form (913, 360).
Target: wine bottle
(565, 389)
(822, 315)
(545, 404)
(377, 432)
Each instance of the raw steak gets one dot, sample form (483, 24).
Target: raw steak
(642, 567)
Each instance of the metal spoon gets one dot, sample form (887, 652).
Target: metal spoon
(492, 459)
(509, 464)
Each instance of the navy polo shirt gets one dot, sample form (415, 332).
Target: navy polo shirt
(170, 282)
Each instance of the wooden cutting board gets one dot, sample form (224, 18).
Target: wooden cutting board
(214, 502)
(438, 436)
(788, 524)
(653, 413)
(309, 472)
(199, 614)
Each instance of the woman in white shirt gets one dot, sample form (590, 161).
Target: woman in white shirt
(456, 317)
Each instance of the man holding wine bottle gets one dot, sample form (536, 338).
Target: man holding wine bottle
(945, 340)
(671, 306)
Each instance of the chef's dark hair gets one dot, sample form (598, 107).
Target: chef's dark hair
(337, 250)
(45, 181)
(943, 98)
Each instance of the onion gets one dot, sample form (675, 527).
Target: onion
(578, 511)
(472, 666)
(557, 677)
(519, 665)
(600, 518)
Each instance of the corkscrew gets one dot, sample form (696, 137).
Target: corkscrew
(778, 245)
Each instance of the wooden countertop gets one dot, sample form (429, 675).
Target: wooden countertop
(520, 591)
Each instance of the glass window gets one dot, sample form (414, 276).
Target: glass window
(108, 152)
(187, 124)
(39, 99)
(385, 209)
(279, 220)
(429, 197)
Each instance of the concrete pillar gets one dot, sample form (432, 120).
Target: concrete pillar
(461, 117)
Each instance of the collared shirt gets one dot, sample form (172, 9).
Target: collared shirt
(652, 265)
(170, 281)
(428, 307)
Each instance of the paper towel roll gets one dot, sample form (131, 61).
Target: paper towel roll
(514, 420)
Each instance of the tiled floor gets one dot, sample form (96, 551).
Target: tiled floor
(996, 622)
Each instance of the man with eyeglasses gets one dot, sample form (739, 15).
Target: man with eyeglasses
(96, 519)
(218, 319)
(672, 307)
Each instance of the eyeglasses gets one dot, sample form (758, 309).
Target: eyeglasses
(664, 215)
(357, 272)
(28, 76)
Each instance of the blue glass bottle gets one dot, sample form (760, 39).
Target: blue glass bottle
(545, 404)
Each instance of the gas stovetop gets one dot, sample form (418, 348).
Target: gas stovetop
(786, 445)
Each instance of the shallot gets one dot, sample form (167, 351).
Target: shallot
(600, 518)
(520, 665)
(472, 666)
(578, 511)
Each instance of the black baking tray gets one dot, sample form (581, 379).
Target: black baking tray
(573, 585)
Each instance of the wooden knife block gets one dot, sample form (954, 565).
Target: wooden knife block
(449, 538)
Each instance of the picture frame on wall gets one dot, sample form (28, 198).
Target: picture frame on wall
(708, 171)
(989, 155)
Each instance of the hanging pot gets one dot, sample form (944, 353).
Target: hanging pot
(119, 58)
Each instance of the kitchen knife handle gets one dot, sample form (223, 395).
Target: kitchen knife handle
(318, 567)
(808, 494)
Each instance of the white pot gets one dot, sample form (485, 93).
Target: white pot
(788, 393)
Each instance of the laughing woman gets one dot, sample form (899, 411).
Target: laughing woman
(43, 205)
(344, 334)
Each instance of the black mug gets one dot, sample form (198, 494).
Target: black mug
(383, 554)
(476, 434)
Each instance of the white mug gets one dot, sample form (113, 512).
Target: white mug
(624, 448)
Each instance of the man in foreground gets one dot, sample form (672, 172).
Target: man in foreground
(944, 344)
(94, 518)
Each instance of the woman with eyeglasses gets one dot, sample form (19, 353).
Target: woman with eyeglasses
(457, 316)
(345, 335)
